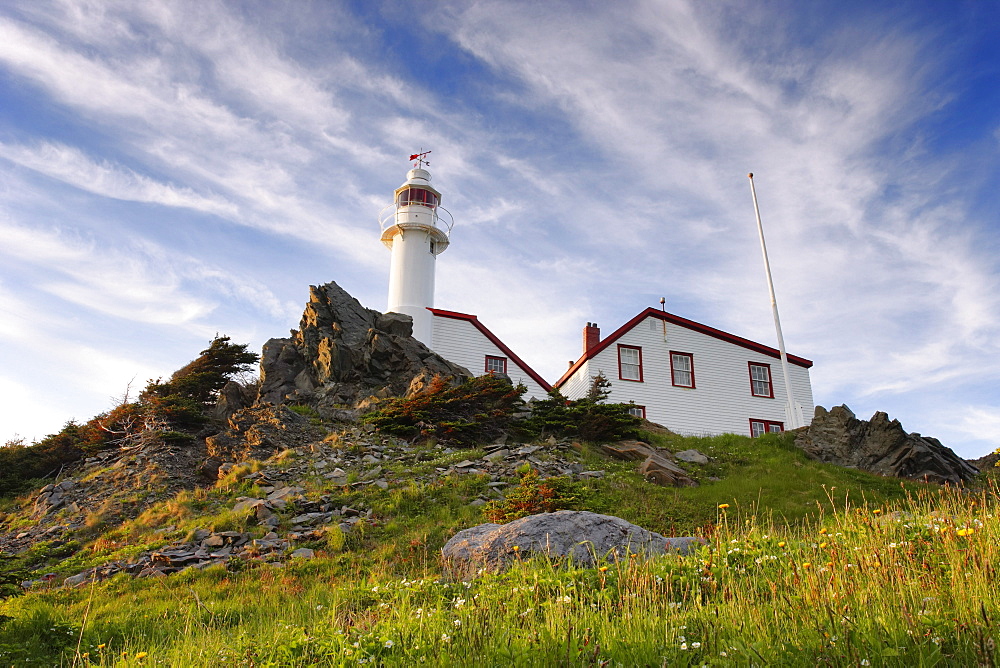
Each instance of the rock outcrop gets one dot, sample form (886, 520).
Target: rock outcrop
(584, 537)
(343, 354)
(257, 433)
(880, 446)
(656, 466)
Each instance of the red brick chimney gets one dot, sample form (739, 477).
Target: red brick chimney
(591, 336)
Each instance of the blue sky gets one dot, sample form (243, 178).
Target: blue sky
(171, 169)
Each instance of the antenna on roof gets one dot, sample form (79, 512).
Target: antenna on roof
(791, 414)
(663, 307)
(420, 159)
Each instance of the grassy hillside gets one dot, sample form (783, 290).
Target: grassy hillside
(808, 564)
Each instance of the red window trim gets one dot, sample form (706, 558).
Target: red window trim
(767, 425)
(511, 355)
(620, 377)
(486, 364)
(690, 357)
(641, 408)
(770, 380)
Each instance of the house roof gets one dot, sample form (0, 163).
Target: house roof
(681, 322)
(496, 341)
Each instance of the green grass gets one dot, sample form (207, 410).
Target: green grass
(808, 565)
(913, 584)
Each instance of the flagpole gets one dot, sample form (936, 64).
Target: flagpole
(793, 422)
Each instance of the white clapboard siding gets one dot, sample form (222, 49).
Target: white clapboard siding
(720, 402)
(459, 340)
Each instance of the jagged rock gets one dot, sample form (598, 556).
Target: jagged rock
(259, 432)
(208, 470)
(77, 580)
(880, 446)
(344, 353)
(692, 456)
(986, 461)
(583, 536)
(234, 396)
(628, 450)
(663, 472)
(655, 467)
(285, 494)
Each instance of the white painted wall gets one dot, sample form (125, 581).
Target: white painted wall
(411, 278)
(721, 401)
(460, 342)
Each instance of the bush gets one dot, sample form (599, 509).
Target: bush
(477, 411)
(22, 466)
(588, 418)
(182, 402)
(11, 577)
(533, 496)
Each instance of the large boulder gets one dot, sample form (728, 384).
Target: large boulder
(880, 446)
(584, 537)
(343, 354)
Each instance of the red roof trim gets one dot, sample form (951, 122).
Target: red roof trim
(681, 322)
(493, 338)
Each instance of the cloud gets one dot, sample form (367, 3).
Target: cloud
(70, 165)
(981, 423)
(673, 94)
(101, 279)
(138, 281)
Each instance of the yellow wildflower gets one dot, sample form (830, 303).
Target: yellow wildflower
(723, 506)
(965, 532)
(781, 544)
(806, 564)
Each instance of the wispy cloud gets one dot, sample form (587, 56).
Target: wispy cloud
(70, 165)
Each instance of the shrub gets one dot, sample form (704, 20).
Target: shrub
(588, 418)
(479, 410)
(182, 402)
(11, 577)
(533, 496)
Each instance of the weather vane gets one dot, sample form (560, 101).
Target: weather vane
(420, 159)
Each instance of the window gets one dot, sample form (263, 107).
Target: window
(638, 411)
(496, 364)
(630, 363)
(682, 369)
(760, 380)
(417, 196)
(433, 247)
(758, 427)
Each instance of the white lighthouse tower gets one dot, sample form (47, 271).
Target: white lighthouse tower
(415, 228)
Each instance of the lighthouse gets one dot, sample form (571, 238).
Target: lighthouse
(415, 228)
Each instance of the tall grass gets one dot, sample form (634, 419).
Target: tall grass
(908, 584)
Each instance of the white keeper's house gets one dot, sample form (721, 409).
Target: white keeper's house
(689, 377)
